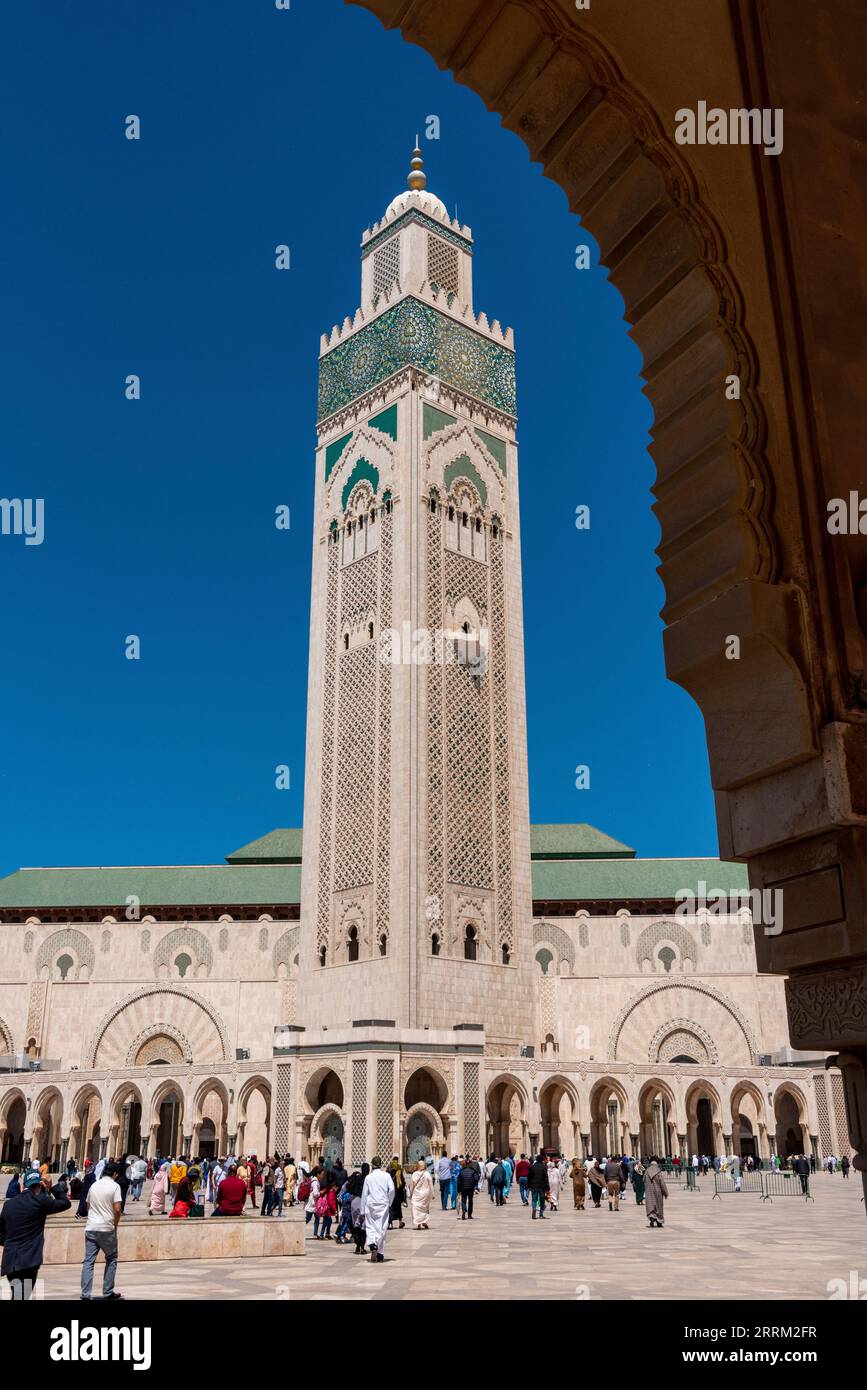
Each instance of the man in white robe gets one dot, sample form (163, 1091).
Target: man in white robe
(377, 1196)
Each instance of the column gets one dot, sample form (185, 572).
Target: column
(684, 1155)
(64, 1147)
(853, 1065)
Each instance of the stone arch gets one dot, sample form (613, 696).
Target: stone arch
(507, 1109)
(254, 1132)
(610, 1117)
(159, 1043)
(87, 1121)
(559, 1109)
(323, 1086)
(423, 1129)
(48, 1114)
(656, 934)
(5, 1037)
(791, 1120)
(210, 1086)
(704, 1131)
(67, 940)
(285, 948)
(187, 941)
(199, 1023)
(692, 988)
(547, 934)
(658, 1118)
(210, 1107)
(675, 1035)
(748, 1101)
(8, 1099)
(456, 455)
(426, 1085)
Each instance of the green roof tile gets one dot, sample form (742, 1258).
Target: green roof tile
(154, 887)
(632, 878)
(574, 842)
(278, 847)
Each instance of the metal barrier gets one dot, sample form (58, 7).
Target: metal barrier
(766, 1182)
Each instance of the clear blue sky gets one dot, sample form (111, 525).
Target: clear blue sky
(157, 257)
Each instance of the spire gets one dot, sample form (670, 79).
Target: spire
(417, 178)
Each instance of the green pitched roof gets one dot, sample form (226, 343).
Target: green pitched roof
(278, 847)
(633, 878)
(154, 887)
(575, 842)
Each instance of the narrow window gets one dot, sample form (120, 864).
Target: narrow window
(506, 956)
(370, 631)
(470, 943)
(352, 947)
(383, 945)
(346, 641)
(434, 945)
(322, 955)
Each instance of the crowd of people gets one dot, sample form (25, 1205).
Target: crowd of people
(355, 1209)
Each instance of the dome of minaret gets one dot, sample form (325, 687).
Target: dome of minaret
(418, 195)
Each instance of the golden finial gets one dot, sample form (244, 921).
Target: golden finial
(417, 178)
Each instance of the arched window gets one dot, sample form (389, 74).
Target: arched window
(352, 944)
(465, 520)
(544, 958)
(433, 504)
(346, 641)
(183, 963)
(370, 631)
(668, 957)
(434, 945)
(451, 513)
(383, 945)
(470, 943)
(506, 954)
(323, 954)
(64, 965)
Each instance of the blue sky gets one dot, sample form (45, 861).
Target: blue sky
(156, 257)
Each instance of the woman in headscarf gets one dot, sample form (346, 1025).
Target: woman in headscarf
(184, 1199)
(579, 1185)
(356, 1185)
(596, 1179)
(655, 1193)
(395, 1172)
(420, 1194)
(638, 1181)
(159, 1191)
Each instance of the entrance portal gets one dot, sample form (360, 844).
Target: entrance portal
(419, 1138)
(331, 1130)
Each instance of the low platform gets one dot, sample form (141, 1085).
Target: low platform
(160, 1238)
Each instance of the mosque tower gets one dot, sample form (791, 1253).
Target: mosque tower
(416, 898)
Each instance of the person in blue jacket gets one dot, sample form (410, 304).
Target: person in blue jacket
(22, 1232)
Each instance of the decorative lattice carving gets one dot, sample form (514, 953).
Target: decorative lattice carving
(36, 1010)
(5, 1037)
(548, 933)
(839, 1099)
(500, 715)
(384, 1107)
(105, 945)
(359, 1110)
(28, 942)
(161, 1043)
(283, 1109)
(700, 987)
(223, 939)
(825, 1142)
(386, 265)
(469, 827)
(263, 938)
(323, 904)
(682, 1037)
(285, 949)
(145, 941)
(435, 776)
(383, 778)
(657, 932)
(442, 263)
(624, 932)
(186, 940)
(472, 1113)
(66, 940)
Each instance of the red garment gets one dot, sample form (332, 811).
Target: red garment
(522, 1168)
(232, 1193)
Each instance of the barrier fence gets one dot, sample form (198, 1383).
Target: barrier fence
(766, 1182)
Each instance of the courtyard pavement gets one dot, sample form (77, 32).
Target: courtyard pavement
(737, 1247)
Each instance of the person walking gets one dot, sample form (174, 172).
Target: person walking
(267, 1172)
(596, 1179)
(420, 1197)
(655, 1193)
(456, 1170)
(444, 1178)
(104, 1210)
(845, 1165)
(496, 1183)
(638, 1181)
(802, 1168)
(579, 1184)
(522, 1173)
(538, 1185)
(467, 1179)
(377, 1196)
(159, 1191)
(314, 1188)
(612, 1182)
(356, 1187)
(177, 1170)
(399, 1199)
(22, 1233)
(554, 1185)
(138, 1169)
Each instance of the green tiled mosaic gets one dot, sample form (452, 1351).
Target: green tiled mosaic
(413, 334)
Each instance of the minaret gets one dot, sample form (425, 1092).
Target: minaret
(416, 900)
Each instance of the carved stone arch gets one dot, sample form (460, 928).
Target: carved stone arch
(658, 932)
(126, 1091)
(688, 984)
(5, 1037)
(681, 1028)
(68, 939)
(8, 1099)
(285, 949)
(180, 1007)
(421, 1107)
(186, 940)
(155, 1042)
(460, 442)
(439, 1078)
(322, 1114)
(212, 1085)
(376, 449)
(547, 934)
